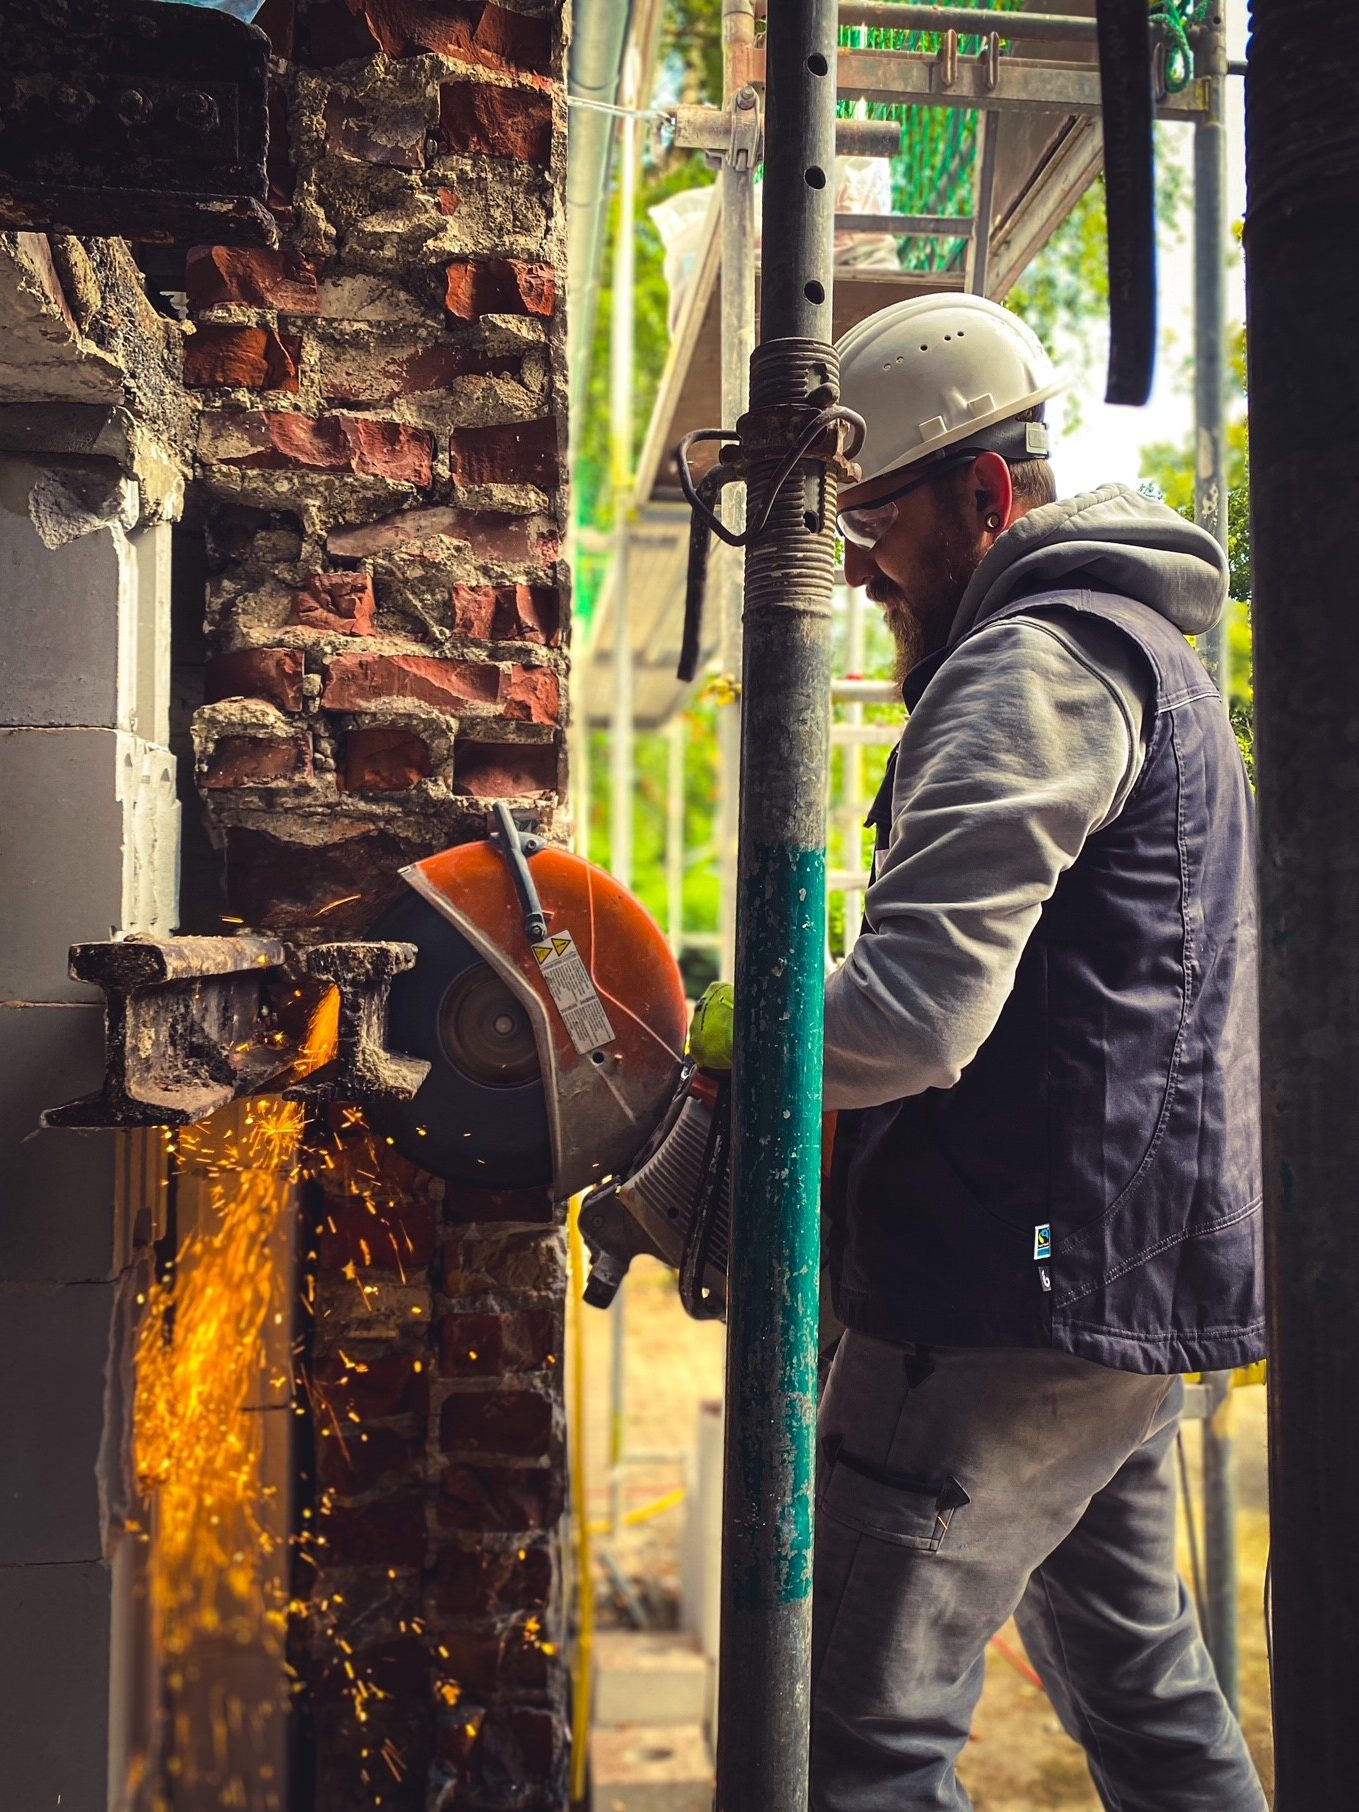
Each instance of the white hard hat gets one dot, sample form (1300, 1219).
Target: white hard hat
(938, 371)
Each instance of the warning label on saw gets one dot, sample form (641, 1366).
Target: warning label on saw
(568, 982)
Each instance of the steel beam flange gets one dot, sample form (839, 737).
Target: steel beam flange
(364, 1068)
(185, 1028)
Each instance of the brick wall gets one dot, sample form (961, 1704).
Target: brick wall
(380, 460)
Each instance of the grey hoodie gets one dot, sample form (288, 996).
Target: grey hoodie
(1026, 741)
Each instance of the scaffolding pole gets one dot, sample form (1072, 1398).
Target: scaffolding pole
(622, 749)
(1302, 272)
(764, 1673)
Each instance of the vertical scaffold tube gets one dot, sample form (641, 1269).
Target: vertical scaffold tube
(764, 1683)
(1302, 278)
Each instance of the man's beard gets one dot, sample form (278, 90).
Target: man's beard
(919, 622)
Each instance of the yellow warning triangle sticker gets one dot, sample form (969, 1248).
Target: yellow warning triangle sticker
(561, 944)
(542, 952)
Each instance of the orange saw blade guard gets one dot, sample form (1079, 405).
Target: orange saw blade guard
(599, 984)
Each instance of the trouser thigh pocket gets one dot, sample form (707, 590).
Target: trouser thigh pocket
(905, 1509)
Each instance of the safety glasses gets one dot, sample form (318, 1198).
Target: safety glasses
(866, 525)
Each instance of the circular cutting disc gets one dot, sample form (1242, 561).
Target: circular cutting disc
(481, 1113)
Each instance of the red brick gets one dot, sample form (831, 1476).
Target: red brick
(272, 673)
(500, 1498)
(422, 533)
(509, 1746)
(360, 1162)
(358, 681)
(337, 32)
(257, 761)
(517, 1423)
(338, 603)
(498, 770)
(247, 358)
(355, 130)
(499, 286)
(496, 1659)
(379, 1237)
(218, 274)
(483, 1261)
(376, 374)
(387, 1533)
(385, 759)
(534, 696)
(482, 1582)
(356, 1459)
(468, 31)
(375, 1383)
(490, 1344)
(474, 609)
(507, 453)
(278, 20)
(463, 1202)
(528, 613)
(272, 440)
(496, 122)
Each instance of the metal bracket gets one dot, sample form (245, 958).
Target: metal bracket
(747, 128)
(183, 1026)
(364, 1068)
(136, 119)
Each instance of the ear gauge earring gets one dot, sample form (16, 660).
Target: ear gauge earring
(993, 520)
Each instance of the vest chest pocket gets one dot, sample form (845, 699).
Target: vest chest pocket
(895, 1507)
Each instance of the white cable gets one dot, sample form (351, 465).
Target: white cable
(622, 113)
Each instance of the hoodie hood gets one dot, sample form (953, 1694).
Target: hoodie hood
(1113, 538)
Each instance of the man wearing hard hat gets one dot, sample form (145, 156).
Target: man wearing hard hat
(1047, 1193)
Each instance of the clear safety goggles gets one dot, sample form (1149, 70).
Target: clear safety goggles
(866, 525)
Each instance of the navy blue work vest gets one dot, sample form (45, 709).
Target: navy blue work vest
(1092, 1181)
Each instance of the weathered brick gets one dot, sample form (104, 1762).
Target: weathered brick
(496, 1754)
(463, 1202)
(274, 440)
(361, 1162)
(352, 1459)
(489, 1582)
(336, 31)
(480, 1261)
(246, 358)
(338, 603)
(500, 1498)
(423, 534)
(507, 453)
(499, 286)
(358, 681)
(277, 19)
(487, 1343)
(390, 1236)
(534, 696)
(257, 761)
(374, 373)
(219, 274)
(497, 1658)
(385, 758)
(474, 610)
(528, 613)
(376, 1383)
(389, 1532)
(500, 770)
(467, 31)
(272, 673)
(361, 128)
(516, 1423)
(498, 122)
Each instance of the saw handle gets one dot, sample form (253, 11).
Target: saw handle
(516, 850)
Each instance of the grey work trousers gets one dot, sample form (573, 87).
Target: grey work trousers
(959, 1486)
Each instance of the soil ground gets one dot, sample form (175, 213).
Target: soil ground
(1019, 1759)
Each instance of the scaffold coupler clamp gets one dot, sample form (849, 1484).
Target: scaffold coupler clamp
(769, 451)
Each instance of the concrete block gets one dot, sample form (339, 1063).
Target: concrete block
(54, 1687)
(649, 1677)
(53, 1350)
(90, 829)
(57, 1221)
(71, 617)
(651, 1768)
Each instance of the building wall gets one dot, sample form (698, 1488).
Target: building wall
(381, 452)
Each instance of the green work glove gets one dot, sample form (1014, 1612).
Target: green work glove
(710, 1034)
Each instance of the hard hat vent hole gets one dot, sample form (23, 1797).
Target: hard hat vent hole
(818, 64)
(814, 292)
(815, 177)
(597, 1057)
(924, 348)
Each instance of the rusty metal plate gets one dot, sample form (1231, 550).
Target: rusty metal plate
(132, 119)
